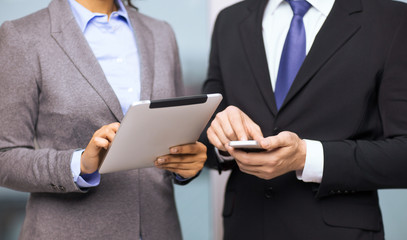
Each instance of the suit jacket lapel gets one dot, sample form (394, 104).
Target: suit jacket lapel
(252, 37)
(340, 26)
(66, 32)
(145, 45)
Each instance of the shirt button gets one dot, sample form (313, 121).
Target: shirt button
(130, 90)
(268, 192)
(119, 60)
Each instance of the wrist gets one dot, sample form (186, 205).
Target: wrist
(302, 155)
(84, 168)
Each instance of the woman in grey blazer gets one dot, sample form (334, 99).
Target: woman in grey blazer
(68, 74)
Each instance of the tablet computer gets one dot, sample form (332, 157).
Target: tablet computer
(150, 128)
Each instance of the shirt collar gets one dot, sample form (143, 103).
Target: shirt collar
(83, 16)
(323, 6)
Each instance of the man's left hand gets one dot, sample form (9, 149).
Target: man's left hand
(284, 153)
(184, 160)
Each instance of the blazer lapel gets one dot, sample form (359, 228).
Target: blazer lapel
(340, 26)
(145, 46)
(69, 37)
(252, 36)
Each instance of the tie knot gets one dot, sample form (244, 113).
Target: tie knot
(299, 7)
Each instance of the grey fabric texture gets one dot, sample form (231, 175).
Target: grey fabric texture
(52, 89)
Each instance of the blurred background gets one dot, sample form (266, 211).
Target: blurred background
(200, 202)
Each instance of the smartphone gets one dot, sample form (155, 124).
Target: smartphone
(247, 146)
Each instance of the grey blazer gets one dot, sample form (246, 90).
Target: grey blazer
(52, 89)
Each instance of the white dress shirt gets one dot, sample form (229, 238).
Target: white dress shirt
(276, 23)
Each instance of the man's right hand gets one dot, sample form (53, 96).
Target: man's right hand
(100, 142)
(232, 124)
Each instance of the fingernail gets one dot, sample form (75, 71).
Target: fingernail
(160, 161)
(174, 150)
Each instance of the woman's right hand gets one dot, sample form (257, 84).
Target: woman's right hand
(96, 149)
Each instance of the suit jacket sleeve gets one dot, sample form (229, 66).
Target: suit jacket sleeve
(22, 167)
(214, 84)
(362, 165)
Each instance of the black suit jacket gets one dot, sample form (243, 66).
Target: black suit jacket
(350, 94)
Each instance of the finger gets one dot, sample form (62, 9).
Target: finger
(252, 129)
(193, 148)
(181, 166)
(107, 131)
(180, 159)
(236, 121)
(218, 128)
(101, 142)
(214, 140)
(225, 120)
(114, 126)
(249, 170)
(283, 139)
(255, 159)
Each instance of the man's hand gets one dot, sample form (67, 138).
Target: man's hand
(96, 149)
(230, 125)
(285, 153)
(185, 160)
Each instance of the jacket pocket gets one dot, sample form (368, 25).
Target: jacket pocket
(366, 217)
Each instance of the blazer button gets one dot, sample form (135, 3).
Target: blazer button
(55, 187)
(61, 188)
(268, 192)
(276, 130)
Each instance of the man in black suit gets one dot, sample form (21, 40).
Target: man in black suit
(338, 135)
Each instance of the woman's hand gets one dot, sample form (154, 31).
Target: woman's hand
(96, 149)
(184, 160)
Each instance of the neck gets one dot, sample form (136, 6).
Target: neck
(99, 6)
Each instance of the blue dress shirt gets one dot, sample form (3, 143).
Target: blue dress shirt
(113, 43)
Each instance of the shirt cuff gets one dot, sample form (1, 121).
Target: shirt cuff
(314, 163)
(85, 180)
(223, 158)
(180, 178)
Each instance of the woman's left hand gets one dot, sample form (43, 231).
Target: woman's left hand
(185, 160)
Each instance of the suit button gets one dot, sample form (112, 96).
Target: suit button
(268, 192)
(276, 130)
(61, 188)
(54, 187)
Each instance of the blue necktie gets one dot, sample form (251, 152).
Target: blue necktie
(293, 52)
